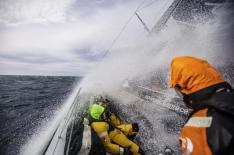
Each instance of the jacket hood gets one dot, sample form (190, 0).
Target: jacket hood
(193, 74)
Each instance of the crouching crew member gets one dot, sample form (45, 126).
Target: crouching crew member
(113, 133)
(210, 128)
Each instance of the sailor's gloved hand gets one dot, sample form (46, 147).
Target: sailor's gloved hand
(141, 151)
(135, 127)
(169, 151)
(108, 114)
(125, 151)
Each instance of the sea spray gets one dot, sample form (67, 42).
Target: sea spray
(39, 141)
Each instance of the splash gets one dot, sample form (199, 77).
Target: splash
(146, 55)
(37, 143)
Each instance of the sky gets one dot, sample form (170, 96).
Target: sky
(65, 37)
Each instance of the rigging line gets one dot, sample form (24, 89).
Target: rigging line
(75, 102)
(69, 141)
(159, 92)
(53, 137)
(123, 28)
(70, 118)
(163, 8)
(166, 16)
(59, 136)
(148, 5)
(143, 23)
(69, 115)
(67, 118)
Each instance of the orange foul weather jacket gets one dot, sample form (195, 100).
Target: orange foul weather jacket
(210, 128)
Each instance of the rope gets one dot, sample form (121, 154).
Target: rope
(145, 26)
(159, 92)
(73, 107)
(163, 8)
(147, 5)
(69, 141)
(68, 116)
(123, 28)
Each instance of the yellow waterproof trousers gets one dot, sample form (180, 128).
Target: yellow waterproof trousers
(118, 136)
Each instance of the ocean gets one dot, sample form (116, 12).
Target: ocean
(25, 103)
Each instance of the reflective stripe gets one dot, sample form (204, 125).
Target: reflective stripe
(187, 143)
(199, 122)
(102, 134)
(121, 151)
(189, 146)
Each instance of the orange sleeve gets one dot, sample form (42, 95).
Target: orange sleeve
(193, 136)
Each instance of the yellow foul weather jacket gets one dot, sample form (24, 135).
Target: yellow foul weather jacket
(114, 135)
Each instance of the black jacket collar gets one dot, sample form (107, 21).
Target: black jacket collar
(219, 96)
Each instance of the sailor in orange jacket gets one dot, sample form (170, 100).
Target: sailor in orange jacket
(113, 133)
(210, 128)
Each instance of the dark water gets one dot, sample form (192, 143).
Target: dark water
(26, 102)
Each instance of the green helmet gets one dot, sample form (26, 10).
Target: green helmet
(96, 111)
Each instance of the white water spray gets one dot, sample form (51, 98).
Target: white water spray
(41, 137)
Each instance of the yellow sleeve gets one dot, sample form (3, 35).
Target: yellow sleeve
(115, 120)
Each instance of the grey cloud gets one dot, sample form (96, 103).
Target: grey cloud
(34, 59)
(89, 55)
(84, 8)
(96, 4)
(33, 11)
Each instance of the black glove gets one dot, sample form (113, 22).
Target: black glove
(127, 151)
(135, 127)
(108, 113)
(169, 151)
(141, 151)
